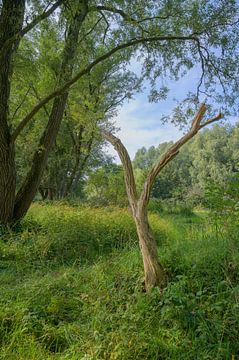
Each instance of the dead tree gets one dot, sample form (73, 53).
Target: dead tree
(153, 270)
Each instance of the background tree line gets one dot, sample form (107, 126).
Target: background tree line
(210, 158)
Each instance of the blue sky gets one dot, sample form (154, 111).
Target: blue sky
(139, 120)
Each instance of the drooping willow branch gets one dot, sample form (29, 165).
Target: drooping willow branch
(87, 70)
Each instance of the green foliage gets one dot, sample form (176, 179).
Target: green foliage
(155, 206)
(170, 206)
(212, 154)
(223, 203)
(168, 38)
(173, 206)
(106, 186)
(223, 200)
(57, 303)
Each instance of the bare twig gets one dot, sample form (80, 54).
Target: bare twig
(173, 151)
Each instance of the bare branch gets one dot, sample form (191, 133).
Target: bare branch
(212, 120)
(198, 117)
(173, 151)
(127, 165)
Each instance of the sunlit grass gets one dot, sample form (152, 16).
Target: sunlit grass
(71, 288)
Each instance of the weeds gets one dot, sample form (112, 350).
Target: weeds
(71, 285)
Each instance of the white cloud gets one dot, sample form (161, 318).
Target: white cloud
(139, 120)
(139, 123)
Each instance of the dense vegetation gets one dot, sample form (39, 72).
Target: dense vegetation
(210, 158)
(103, 261)
(72, 287)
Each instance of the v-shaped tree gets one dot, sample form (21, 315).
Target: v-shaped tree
(153, 269)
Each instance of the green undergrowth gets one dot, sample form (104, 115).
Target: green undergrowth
(71, 288)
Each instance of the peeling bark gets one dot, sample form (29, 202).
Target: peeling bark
(154, 272)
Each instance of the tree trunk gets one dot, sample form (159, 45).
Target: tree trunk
(153, 270)
(77, 143)
(32, 182)
(77, 171)
(11, 20)
(43, 192)
(7, 181)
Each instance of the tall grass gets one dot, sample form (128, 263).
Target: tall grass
(71, 288)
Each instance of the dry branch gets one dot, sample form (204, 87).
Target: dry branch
(197, 124)
(127, 165)
(173, 151)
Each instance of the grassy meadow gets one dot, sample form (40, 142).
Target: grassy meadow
(71, 288)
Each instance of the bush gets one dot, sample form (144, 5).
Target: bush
(155, 206)
(223, 204)
(172, 206)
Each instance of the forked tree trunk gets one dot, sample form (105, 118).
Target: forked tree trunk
(153, 269)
